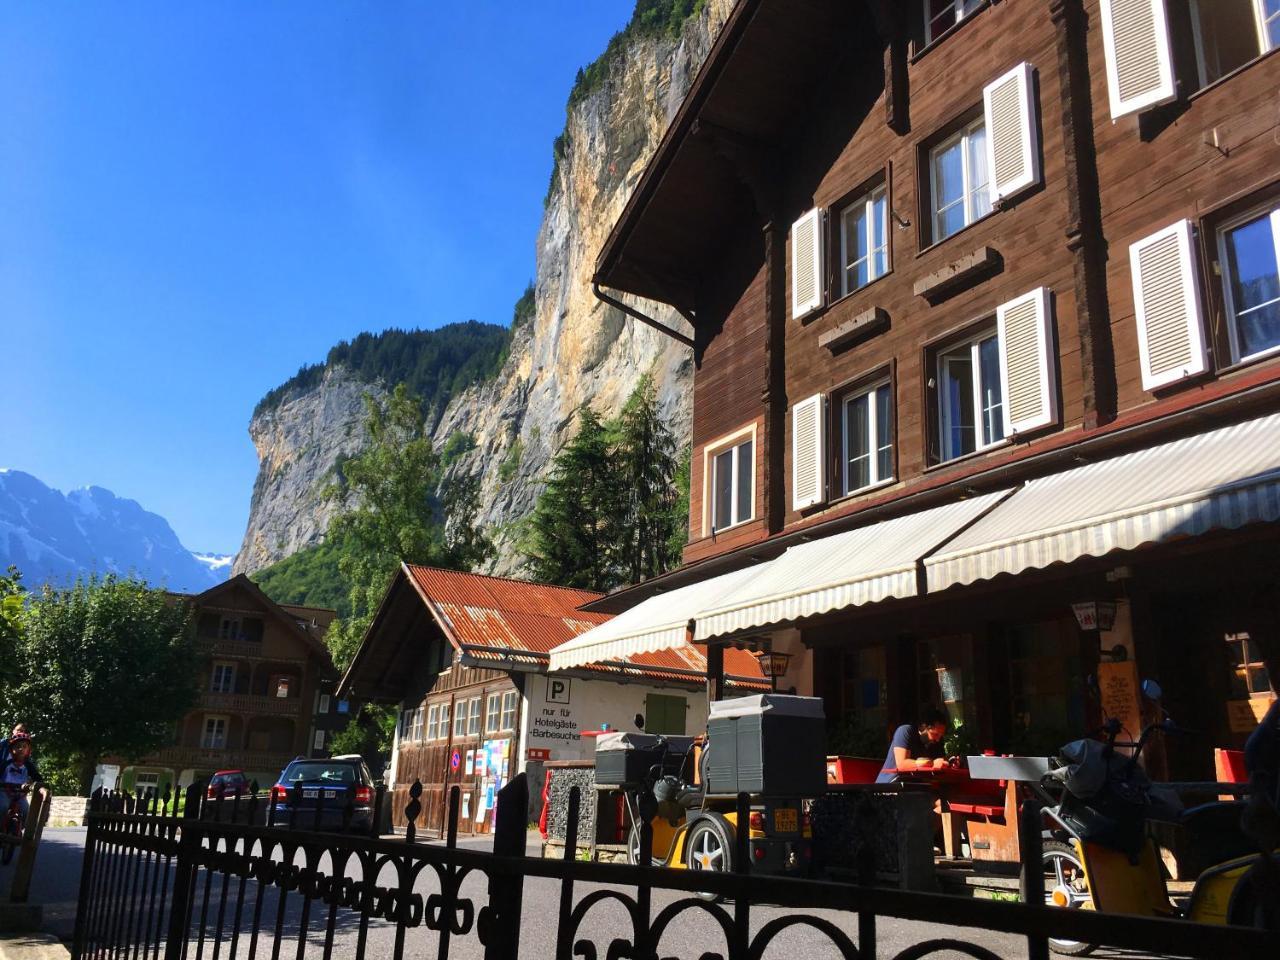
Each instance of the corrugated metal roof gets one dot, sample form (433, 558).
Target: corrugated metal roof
(495, 618)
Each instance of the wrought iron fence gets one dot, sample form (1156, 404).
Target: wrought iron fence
(229, 880)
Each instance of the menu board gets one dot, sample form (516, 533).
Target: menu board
(1118, 683)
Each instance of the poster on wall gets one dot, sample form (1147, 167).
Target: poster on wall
(1118, 685)
(481, 758)
(554, 721)
(471, 762)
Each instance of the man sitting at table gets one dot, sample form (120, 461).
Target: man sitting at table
(916, 748)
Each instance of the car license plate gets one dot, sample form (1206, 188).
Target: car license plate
(310, 794)
(786, 821)
(330, 794)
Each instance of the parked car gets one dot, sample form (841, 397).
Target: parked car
(314, 794)
(228, 784)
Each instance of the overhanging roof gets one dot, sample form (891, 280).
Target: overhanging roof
(1219, 480)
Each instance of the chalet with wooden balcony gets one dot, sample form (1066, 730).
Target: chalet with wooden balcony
(984, 305)
(266, 690)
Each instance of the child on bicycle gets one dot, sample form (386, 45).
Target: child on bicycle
(19, 770)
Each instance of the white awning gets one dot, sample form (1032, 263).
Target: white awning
(872, 563)
(1213, 481)
(659, 623)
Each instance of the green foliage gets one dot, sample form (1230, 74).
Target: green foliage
(309, 578)
(511, 462)
(650, 18)
(854, 737)
(611, 512)
(392, 514)
(525, 307)
(959, 741)
(369, 734)
(458, 444)
(434, 365)
(12, 596)
(104, 668)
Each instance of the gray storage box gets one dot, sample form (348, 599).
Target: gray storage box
(625, 759)
(771, 745)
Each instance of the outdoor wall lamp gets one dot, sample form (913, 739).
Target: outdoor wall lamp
(773, 665)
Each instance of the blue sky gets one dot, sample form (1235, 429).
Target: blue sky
(198, 198)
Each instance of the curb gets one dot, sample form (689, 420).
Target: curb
(33, 946)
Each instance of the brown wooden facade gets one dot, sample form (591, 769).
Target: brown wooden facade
(266, 690)
(806, 105)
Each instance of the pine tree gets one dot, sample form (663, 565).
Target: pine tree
(646, 465)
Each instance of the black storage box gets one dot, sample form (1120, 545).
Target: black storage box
(770, 745)
(625, 759)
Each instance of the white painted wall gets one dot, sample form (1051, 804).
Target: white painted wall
(557, 709)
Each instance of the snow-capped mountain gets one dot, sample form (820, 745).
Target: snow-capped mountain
(56, 537)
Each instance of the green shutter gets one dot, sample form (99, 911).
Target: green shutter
(665, 715)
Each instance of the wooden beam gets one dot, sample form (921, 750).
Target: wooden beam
(774, 393)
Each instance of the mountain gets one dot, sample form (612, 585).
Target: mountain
(52, 537)
(567, 350)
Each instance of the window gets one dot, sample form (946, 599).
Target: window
(493, 713)
(864, 244)
(324, 704)
(224, 678)
(866, 430)
(1249, 674)
(1249, 252)
(509, 710)
(941, 15)
(317, 742)
(282, 688)
(433, 724)
(1230, 33)
(148, 783)
(230, 629)
(460, 719)
(958, 180)
(732, 485)
(970, 406)
(215, 733)
(664, 714)
(444, 721)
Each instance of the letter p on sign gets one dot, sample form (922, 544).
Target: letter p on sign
(557, 690)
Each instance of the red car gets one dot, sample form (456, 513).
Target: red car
(228, 784)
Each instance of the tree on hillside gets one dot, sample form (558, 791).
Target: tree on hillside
(11, 598)
(105, 668)
(613, 511)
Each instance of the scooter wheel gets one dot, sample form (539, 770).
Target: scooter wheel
(1064, 886)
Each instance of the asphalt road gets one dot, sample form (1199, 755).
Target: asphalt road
(692, 935)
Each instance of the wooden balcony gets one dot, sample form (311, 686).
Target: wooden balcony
(240, 650)
(248, 704)
(226, 759)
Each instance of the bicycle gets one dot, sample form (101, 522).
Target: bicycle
(12, 824)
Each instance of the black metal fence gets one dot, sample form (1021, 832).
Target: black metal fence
(226, 880)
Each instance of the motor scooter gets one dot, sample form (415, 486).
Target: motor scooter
(1100, 856)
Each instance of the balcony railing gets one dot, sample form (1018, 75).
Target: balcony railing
(225, 759)
(249, 703)
(240, 650)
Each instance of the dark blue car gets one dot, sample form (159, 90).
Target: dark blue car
(315, 794)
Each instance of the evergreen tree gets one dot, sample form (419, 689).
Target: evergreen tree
(645, 465)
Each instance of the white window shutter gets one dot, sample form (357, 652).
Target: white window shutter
(808, 458)
(1135, 36)
(1028, 371)
(806, 264)
(1166, 300)
(1013, 137)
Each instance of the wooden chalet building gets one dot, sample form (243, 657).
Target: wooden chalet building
(266, 692)
(984, 304)
(463, 657)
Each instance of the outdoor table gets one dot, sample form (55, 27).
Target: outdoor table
(993, 828)
(947, 783)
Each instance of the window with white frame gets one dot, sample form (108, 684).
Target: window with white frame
(1230, 33)
(733, 485)
(866, 431)
(148, 782)
(970, 404)
(317, 742)
(1249, 253)
(433, 723)
(444, 721)
(224, 678)
(493, 713)
(323, 706)
(509, 710)
(864, 240)
(473, 717)
(958, 178)
(460, 719)
(230, 629)
(941, 15)
(215, 733)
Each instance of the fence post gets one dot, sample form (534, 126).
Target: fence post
(1031, 884)
(506, 891)
(37, 814)
(183, 897)
(86, 874)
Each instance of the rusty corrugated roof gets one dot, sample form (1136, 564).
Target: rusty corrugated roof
(513, 616)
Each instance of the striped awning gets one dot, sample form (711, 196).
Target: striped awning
(1220, 480)
(659, 623)
(872, 563)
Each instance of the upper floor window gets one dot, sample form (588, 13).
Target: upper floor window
(959, 187)
(1230, 33)
(866, 429)
(1250, 257)
(215, 733)
(224, 678)
(230, 629)
(733, 485)
(509, 710)
(460, 719)
(941, 15)
(970, 401)
(493, 713)
(864, 244)
(443, 732)
(323, 706)
(282, 687)
(433, 724)
(473, 717)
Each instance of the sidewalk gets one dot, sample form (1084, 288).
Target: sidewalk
(32, 946)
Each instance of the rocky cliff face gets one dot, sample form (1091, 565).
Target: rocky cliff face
(574, 352)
